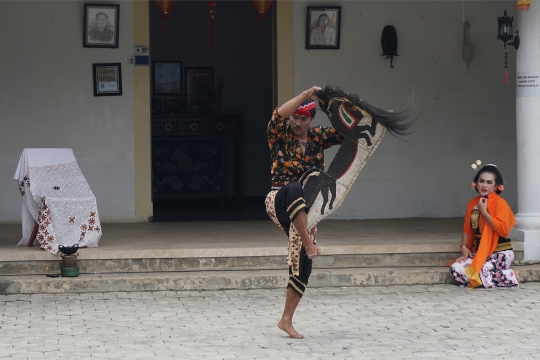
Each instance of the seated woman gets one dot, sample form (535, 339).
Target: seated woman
(486, 250)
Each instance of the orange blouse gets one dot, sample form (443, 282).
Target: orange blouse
(503, 221)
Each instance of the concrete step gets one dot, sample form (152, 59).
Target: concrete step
(245, 279)
(333, 257)
(103, 266)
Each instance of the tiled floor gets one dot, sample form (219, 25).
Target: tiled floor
(250, 238)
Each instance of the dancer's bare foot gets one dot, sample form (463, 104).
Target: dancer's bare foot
(289, 329)
(312, 251)
(516, 272)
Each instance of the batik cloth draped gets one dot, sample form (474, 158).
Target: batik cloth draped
(56, 195)
(295, 241)
(503, 221)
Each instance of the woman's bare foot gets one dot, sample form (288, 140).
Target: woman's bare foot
(289, 329)
(516, 272)
(312, 251)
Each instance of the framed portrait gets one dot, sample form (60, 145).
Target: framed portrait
(107, 79)
(323, 25)
(101, 25)
(199, 85)
(167, 77)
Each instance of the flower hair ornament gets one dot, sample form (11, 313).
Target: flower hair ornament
(477, 165)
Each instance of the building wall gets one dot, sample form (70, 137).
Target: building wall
(47, 100)
(464, 115)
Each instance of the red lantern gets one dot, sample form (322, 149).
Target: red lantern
(212, 13)
(261, 6)
(165, 6)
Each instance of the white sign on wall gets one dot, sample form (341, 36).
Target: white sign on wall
(527, 84)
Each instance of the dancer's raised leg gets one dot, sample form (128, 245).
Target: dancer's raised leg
(300, 223)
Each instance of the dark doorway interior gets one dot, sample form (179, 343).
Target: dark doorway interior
(210, 157)
(210, 209)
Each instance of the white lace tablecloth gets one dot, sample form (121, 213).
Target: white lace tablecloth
(56, 196)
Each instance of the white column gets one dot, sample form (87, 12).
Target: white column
(528, 131)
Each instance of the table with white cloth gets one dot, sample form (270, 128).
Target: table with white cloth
(57, 199)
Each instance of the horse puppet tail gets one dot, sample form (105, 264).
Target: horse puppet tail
(397, 123)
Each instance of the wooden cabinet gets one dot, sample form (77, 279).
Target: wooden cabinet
(196, 156)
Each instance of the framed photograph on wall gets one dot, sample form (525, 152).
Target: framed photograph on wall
(323, 25)
(101, 25)
(199, 85)
(107, 79)
(167, 77)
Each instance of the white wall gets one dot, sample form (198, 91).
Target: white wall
(465, 116)
(47, 100)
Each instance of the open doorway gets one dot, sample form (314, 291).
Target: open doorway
(210, 107)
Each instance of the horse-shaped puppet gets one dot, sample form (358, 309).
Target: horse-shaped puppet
(363, 127)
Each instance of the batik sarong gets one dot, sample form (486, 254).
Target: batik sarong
(283, 216)
(496, 271)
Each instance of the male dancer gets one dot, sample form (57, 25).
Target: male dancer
(295, 148)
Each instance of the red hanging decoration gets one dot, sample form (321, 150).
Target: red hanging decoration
(261, 6)
(212, 13)
(505, 65)
(165, 6)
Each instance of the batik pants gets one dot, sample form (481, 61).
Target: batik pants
(283, 206)
(496, 271)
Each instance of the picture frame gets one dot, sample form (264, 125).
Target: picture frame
(167, 77)
(199, 85)
(101, 25)
(107, 79)
(323, 27)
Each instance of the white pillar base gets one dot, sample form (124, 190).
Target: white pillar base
(528, 221)
(531, 242)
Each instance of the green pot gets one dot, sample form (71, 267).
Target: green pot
(70, 272)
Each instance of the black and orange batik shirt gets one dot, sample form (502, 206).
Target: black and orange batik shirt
(288, 162)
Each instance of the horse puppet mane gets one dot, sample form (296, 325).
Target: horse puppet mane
(397, 123)
(358, 122)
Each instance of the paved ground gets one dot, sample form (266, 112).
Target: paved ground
(397, 322)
